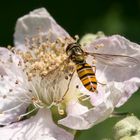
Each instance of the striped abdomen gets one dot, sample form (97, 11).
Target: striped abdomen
(87, 76)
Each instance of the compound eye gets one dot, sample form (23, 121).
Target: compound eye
(78, 50)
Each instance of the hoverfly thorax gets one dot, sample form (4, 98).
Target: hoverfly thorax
(75, 53)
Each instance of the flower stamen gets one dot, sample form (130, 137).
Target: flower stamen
(26, 114)
(36, 93)
(37, 103)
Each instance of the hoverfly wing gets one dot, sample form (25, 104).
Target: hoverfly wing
(115, 60)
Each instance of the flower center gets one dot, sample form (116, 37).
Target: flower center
(42, 57)
(47, 69)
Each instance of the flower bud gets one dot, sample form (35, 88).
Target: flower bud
(127, 129)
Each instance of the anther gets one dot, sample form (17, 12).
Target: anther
(77, 86)
(10, 90)
(61, 110)
(9, 47)
(34, 99)
(70, 74)
(66, 77)
(99, 46)
(17, 82)
(19, 63)
(4, 96)
(30, 90)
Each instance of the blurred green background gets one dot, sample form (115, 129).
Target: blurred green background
(81, 17)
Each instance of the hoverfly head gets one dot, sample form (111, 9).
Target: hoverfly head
(75, 52)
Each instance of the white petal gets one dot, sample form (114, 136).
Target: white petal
(28, 25)
(79, 117)
(10, 92)
(75, 108)
(126, 80)
(129, 87)
(4, 56)
(39, 127)
(117, 45)
(7, 57)
(89, 118)
(117, 93)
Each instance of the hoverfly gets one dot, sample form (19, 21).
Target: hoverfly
(85, 71)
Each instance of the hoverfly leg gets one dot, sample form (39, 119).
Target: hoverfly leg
(68, 85)
(83, 97)
(87, 97)
(58, 102)
(94, 69)
(103, 84)
(96, 91)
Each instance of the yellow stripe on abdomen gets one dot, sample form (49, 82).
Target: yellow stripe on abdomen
(87, 76)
